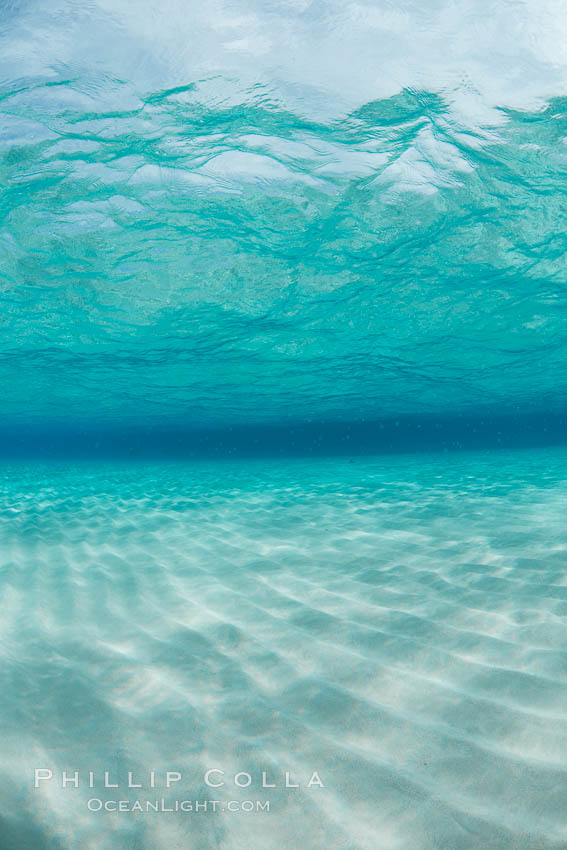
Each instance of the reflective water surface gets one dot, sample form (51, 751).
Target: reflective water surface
(285, 211)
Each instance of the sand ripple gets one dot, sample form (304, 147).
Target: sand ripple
(396, 625)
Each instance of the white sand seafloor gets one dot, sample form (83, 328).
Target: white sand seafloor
(396, 624)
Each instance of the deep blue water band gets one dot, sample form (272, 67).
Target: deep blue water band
(403, 434)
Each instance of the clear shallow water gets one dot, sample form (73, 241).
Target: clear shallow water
(284, 229)
(397, 624)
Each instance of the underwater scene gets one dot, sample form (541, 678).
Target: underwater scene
(283, 425)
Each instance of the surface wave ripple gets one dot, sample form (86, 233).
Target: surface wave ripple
(396, 624)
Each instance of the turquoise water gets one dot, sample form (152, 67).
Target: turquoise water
(282, 428)
(397, 625)
(205, 223)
